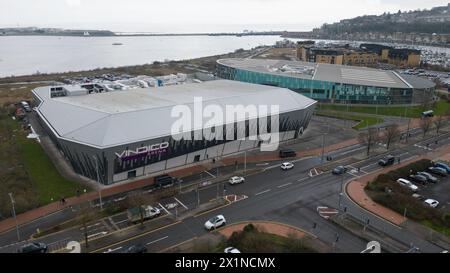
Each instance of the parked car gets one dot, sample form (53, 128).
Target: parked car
(339, 170)
(236, 180)
(419, 178)
(34, 247)
(432, 203)
(136, 249)
(287, 166)
(429, 177)
(388, 160)
(418, 196)
(408, 184)
(231, 250)
(438, 170)
(443, 166)
(287, 153)
(215, 222)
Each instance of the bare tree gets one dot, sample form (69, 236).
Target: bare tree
(438, 123)
(391, 133)
(86, 215)
(425, 124)
(369, 138)
(139, 200)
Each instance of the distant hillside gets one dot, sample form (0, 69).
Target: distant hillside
(435, 20)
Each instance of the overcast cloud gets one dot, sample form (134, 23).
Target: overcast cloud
(194, 15)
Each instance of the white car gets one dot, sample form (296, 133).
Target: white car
(408, 184)
(236, 180)
(231, 250)
(215, 222)
(287, 166)
(432, 203)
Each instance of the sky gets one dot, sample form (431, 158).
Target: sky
(181, 16)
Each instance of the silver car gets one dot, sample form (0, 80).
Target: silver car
(429, 177)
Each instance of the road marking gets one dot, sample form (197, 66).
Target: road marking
(213, 176)
(120, 222)
(135, 237)
(262, 164)
(97, 234)
(180, 203)
(284, 185)
(111, 250)
(91, 226)
(164, 209)
(157, 240)
(302, 179)
(263, 192)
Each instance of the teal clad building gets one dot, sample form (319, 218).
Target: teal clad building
(328, 82)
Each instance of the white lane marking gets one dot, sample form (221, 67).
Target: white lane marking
(284, 185)
(262, 164)
(91, 226)
(213, 176)
(353, 174)
(367, 166)
(112, 250)
(97, 234)
(263, 192)
(120, 222)
(180, 203)
(157, 240)
(164, 209)
(400, 155)
(347, 152)
(302, 179)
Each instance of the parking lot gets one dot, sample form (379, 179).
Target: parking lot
(439, 191)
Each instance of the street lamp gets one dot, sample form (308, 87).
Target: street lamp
(98, 180)
(14, 214)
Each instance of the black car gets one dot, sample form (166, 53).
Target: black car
(164, 181)
(388, 160)
(339, 170)
(287, 153)
(419, 178)
(136, 249)
(34, 248)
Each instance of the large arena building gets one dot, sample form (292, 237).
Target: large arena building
(127, 134)
(329, 82)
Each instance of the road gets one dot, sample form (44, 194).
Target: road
(291, 197)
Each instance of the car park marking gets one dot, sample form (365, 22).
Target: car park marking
(259, 193)
(157, 240)
(284, 185)
(164, 208)
(181, 203)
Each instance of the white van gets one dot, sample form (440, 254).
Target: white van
(407, 183)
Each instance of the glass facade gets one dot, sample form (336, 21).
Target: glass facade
(321, 90)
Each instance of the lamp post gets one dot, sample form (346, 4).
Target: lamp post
(98, 180)
(14, 214)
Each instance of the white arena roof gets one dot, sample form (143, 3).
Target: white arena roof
(119, 117)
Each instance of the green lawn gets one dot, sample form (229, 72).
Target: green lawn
(48, 183)
(363, 120)
(414, 112)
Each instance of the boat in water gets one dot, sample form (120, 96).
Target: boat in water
(117, 44)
